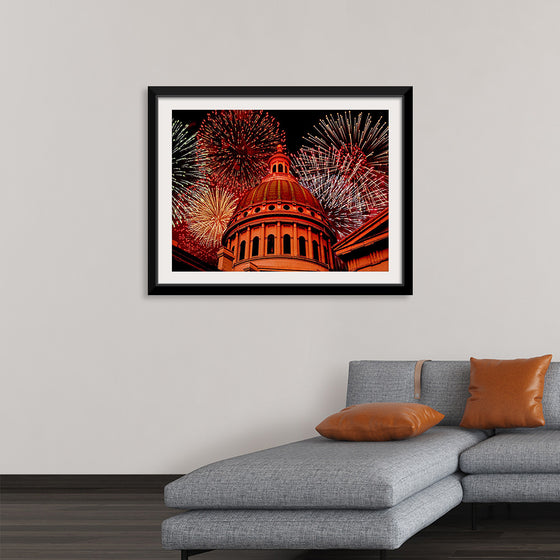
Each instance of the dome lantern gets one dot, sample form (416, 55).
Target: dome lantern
(279, 163)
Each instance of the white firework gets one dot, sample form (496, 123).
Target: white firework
(209, 213)
(187, 166)
(348, 192)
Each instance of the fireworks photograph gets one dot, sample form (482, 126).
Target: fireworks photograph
(281, 190)
(278, 190)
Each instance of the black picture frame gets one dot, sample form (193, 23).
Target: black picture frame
(403, 287)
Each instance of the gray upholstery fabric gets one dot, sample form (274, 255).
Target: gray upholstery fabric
(551, 396)
(312, 529)
(322, 473)
(376, 381)
(511, 488)
(531, 451)
(444, 387)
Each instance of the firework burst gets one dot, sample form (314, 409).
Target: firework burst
(209, 213)
(348, 192)
(185, 239)
(238, 145)
(345, 166)
(360, 142)
(187, 164)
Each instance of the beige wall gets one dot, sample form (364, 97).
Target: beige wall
(99, 378)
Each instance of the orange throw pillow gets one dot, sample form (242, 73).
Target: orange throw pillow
(506, 393)
(383, 421)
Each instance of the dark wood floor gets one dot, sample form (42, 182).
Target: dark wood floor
(93, 524)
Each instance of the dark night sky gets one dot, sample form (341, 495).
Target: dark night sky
(296, 124)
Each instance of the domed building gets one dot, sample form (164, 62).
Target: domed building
(278, 225)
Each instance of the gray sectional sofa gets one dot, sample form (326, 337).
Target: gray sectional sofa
(325, 494)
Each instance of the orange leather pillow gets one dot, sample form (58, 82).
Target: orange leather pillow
(382, 421)
(506, 393)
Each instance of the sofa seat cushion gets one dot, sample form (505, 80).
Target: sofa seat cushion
(523, 451)
(492, 488)
(312, 529)
(319, 473)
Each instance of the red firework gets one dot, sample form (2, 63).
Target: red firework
(187, 241)
(238, 145)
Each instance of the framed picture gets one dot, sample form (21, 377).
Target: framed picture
(280, 190)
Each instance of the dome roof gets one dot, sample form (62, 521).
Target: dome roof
(276, 189)
(279, 186)
(279, 198)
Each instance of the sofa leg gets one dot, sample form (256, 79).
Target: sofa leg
(186, 554)
(473, 517)
(382, 555)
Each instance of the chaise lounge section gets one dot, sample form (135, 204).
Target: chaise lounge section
(355, 529)
(325, 494)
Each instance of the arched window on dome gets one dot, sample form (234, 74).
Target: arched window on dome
(326, 255)
(242, 246)
(315, 251)
(270, 245)
(255, 251)
(274, 169)
(280, 168)
(287, 244)
(302, 250)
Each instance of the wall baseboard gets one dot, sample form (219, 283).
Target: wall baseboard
(122, 482)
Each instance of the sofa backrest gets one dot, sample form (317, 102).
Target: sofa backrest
(445, 387)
